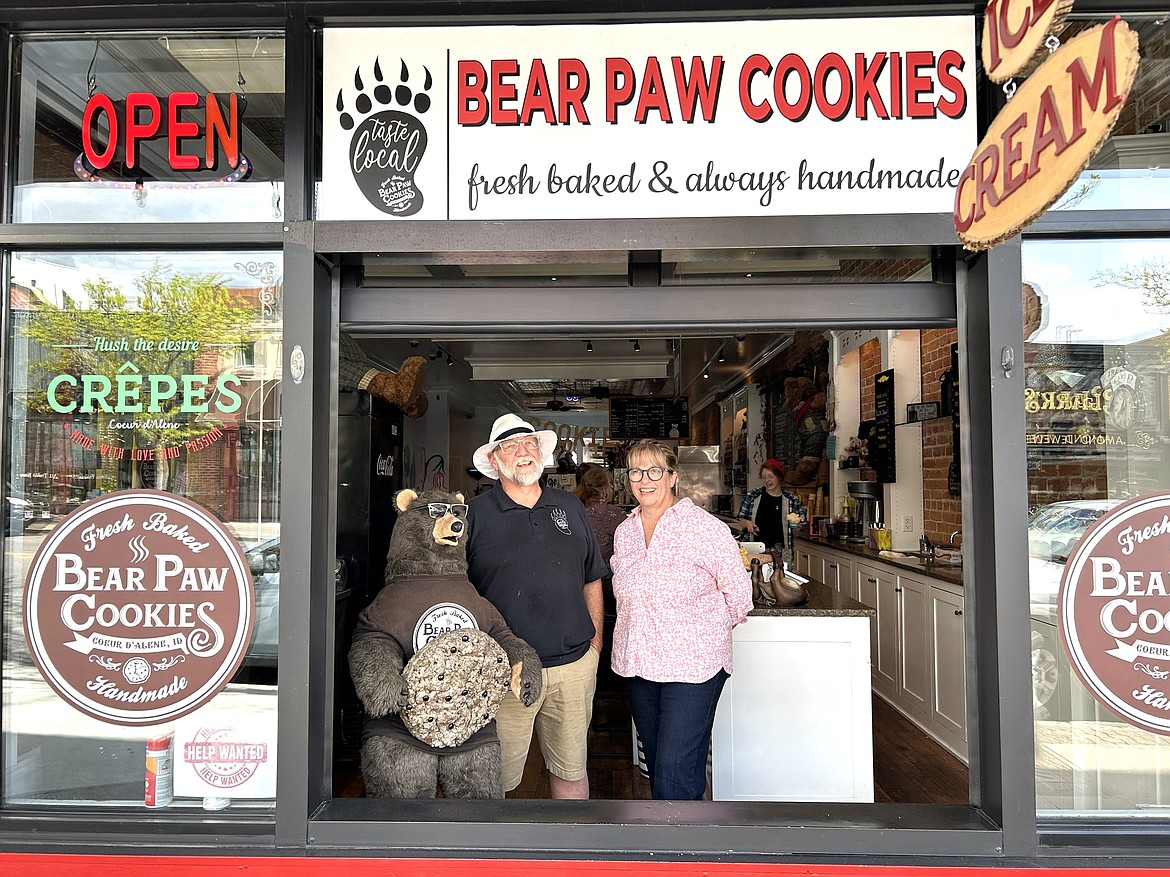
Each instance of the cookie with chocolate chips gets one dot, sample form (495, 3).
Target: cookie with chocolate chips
(455, 684)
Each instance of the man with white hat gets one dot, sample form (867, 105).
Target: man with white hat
(532, 553)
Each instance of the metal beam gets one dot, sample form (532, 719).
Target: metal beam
(524, 311)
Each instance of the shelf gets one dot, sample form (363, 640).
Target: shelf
(926, 420)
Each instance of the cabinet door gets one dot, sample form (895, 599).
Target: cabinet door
(948, 705)
(806, 561)
(914, 662)
(868, 582)
(838, 573)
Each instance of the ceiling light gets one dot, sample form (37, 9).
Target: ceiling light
(706, 373)
(720, 359)
(637, 346)
(450, 361)
(588, 346)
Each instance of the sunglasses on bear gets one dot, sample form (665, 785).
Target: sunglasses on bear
(438, 509)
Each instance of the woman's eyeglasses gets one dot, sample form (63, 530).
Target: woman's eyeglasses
(654, 473)
(512, 445)
(438, 509)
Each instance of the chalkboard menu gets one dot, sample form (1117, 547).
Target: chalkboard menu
(639, 417)
(881, 446)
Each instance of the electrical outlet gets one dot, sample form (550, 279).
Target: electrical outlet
(907, 523)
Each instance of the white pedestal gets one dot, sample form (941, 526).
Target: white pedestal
(795, 722)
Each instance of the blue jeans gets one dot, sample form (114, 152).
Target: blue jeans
(674, 720)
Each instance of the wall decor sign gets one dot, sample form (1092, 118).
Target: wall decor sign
(748, 118)
(1113, 611)
(138, 607)
(1046, 135)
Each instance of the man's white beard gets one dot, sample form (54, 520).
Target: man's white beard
(527, 476)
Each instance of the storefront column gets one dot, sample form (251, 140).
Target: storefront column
(995, 526)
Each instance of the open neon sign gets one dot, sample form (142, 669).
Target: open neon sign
(144, 117)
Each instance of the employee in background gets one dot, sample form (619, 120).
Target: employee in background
(681, 587)
(764, 511)
(595, 490)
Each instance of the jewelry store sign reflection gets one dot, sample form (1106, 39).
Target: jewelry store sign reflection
(138, 607)
(1114, 611)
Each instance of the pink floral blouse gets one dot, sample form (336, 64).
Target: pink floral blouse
(677, 600)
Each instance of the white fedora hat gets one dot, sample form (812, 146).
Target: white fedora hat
(509, 426)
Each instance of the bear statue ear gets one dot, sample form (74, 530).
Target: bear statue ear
(404, 498)
(459, 497)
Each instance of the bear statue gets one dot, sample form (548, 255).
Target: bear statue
(427, 601)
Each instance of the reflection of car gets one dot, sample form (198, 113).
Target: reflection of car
(1053, 532)
(264, 563)
(18, 514)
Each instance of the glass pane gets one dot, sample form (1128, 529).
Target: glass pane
(208, 320)
(1132, 170)
(68, 168)
(1097, 315)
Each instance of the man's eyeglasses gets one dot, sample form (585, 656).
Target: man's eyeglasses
(512, 445)
(438, 509)
(654, 473)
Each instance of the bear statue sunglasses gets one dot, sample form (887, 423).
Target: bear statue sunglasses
(438, 509)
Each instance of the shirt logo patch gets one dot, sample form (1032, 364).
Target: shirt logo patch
(439, 619)
(561, 519)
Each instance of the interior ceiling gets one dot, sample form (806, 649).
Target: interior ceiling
(578, 372)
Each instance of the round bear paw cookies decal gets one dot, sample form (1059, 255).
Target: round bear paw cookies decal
(454, 686)
(138, 607)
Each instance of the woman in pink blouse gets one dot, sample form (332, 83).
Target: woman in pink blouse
(681, 587)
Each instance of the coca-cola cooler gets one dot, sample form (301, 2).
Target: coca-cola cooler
(369, 472)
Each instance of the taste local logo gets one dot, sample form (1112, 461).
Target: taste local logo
(1114, 611)
(138, 607)
(389, 138)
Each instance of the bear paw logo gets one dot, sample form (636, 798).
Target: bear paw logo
(387, 143)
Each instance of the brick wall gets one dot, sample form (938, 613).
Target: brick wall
(1058, 477)
(705, 427)
(941, 512)
(871, 367)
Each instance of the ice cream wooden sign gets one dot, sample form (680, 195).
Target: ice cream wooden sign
(1046, 135)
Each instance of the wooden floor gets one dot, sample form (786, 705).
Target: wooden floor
(909, 767)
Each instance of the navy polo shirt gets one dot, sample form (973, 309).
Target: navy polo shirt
(532, 564)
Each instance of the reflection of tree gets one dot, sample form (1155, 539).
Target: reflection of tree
(1151, 277)
(87, 337)
(1078, 192)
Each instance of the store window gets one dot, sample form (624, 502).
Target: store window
(198, 429)
(1097, 345)
(1132, 169)
(173, 128)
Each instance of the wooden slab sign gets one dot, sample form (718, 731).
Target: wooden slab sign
(1014, 32)
(1046, 135)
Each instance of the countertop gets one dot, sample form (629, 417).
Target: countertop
(823, 602)
(944, 572)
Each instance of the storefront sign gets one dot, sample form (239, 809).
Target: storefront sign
(138, 607)
(1014, 32)
(1046, 135)
(1114, 611)
(752, 118)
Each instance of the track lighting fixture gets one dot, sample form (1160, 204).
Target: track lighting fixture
(450, 361)
(588, 346)
(720, 357)
(706, 373)
(637, 346)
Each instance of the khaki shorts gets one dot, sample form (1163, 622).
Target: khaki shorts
(561, 716)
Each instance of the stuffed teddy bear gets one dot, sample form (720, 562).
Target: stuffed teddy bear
(406, 388)
(426, 595)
